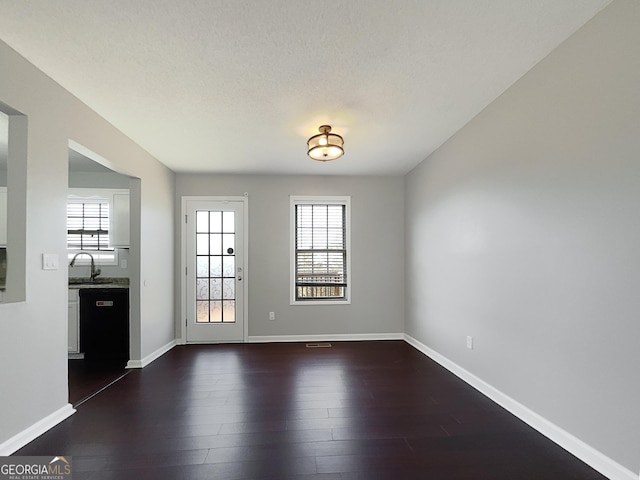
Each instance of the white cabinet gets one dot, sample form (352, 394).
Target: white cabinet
(119, 235)
(74, 321)
(3, 216)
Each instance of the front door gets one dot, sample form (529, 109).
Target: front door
(214, 271)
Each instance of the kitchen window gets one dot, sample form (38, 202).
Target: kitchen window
(320, 257)
(88, 225)
(88, 228)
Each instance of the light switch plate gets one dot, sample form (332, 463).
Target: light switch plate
(50, 261)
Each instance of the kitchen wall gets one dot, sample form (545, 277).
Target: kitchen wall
(377, 235)
(101, 180)
(106, 271)
(33, 333)
(523, 232)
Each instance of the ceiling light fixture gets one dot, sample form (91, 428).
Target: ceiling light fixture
(326, 145)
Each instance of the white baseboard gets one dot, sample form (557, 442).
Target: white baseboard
(325, 338)
(34, 431)
(152, 356)
(589, 455)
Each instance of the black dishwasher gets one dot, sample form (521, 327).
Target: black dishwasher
(104, 324)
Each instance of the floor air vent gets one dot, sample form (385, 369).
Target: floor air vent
(318, 345)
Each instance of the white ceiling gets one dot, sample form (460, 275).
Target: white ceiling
(237, 86)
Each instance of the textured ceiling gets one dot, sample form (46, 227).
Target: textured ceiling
(237, 86)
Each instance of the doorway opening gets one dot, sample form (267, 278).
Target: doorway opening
(100, 271)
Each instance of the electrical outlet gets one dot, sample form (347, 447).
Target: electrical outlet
(123, 263)
(469, 342)
(272, 315)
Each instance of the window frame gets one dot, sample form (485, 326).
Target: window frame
(319, 200)
(95, 195)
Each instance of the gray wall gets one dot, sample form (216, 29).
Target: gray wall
(523, 231)
(33, 333)
(98, 180)
(377, 235)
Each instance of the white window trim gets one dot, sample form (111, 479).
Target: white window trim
(323, 200)
(98, 195)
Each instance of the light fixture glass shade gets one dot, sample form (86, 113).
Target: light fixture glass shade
(326, 145)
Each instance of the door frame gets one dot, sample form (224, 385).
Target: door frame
(182, 269)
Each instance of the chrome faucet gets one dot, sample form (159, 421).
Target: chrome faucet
(94, 271)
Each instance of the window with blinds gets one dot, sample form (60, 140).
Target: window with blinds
(88, 230)
(320, 249)
(88, 226)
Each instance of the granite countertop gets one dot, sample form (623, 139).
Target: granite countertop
(100, 282)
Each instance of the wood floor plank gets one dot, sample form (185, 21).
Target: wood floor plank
(358, 410)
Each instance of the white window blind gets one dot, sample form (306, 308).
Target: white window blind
(88, 226)
(320, 257)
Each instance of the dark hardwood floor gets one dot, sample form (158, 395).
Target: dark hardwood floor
(86, 378)
(357, 410)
